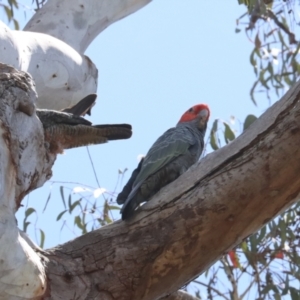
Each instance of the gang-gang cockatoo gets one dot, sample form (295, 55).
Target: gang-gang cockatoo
(169, 157)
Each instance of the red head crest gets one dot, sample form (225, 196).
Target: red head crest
(194, 111)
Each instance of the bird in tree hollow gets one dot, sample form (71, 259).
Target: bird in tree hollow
(65, 130)
(169, 157)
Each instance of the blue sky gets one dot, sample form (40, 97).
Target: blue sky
(153, 66)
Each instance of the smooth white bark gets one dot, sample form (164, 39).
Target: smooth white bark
(62, 75)
(9, 49)
(24, 166)
(78, 22)
(53, 53)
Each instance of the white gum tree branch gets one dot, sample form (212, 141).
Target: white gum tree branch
(78, 22)
(25, 165)
(51, 47)
(61, 74)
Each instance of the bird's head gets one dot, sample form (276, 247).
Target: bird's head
(198, 113)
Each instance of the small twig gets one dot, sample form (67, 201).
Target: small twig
(230, 277)
(255, 15)
(253, 281)
(291, 35)
(212, 288)
(93, 167)
(71, 182)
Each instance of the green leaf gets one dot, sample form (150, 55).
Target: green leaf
(25, 225)
(295, 52)
(42, 236)
(276, 297)
(282, 227)
(197, 294)
(244, 246)
(80, 224)
(8, 12)
(74, 205)
(15, 3)
(60, 215)
(270, 69)
(253, 60)
(257, 42)
(253, 244)
(294, 293)
(113, 207)
(105, 208)
(70, 202)
(215, 125)
(282, 41)
(249, 120)
(16, 24)
(228, 134)
(47, 201)
(61, 189)
(29, 211)
(107, 219)
(248, 3)
(213, 142)
(252, 92)
(287, 80)
(262, 78)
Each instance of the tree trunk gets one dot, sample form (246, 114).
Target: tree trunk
(25, 165)
(190, 223)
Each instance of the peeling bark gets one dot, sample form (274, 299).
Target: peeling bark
(192, 222)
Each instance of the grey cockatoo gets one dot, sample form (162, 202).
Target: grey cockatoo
(169, 157)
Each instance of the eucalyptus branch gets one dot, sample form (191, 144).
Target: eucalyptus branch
(290, 34)
(230, 276)
(253, 281)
